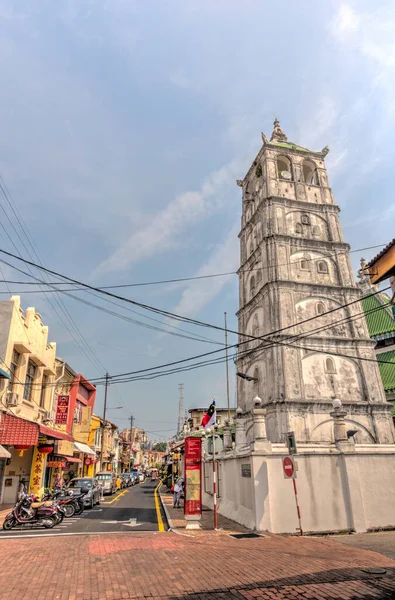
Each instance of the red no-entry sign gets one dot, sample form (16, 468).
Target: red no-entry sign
(288, 467)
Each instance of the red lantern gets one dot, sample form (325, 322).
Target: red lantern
(22, 446)
(45, 449)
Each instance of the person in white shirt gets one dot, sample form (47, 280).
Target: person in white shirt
(177, 492)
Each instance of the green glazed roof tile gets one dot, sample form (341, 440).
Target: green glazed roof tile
(379, 319)
(387, 371)
(290, 146)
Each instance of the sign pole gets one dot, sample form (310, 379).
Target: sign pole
(103, 422)
(297, 507)
(289, 469)
(215, 484)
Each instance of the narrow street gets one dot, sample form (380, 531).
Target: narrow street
(132, 509)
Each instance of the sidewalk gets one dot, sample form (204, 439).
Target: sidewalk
(168, 566)
(177, 520)
(4, 510)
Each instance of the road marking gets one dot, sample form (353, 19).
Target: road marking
(116, 497)
(158, 513)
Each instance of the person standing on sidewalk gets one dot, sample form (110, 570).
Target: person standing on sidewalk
(179, 486)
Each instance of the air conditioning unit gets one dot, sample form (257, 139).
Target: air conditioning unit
(12, 399)
(47, 416)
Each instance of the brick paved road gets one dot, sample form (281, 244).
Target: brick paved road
(206, 567)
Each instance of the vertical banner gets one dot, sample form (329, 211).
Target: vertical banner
(37, 473)
(62, 410)
(193, 476)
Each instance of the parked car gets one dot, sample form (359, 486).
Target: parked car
(108, 480)
(141, 476)
(128, 477)
(92, 497)
(135, 478)
(125, 478)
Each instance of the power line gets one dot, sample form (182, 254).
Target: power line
(166, 281)
(127, 300)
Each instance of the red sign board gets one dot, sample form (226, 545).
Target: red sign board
(288, 467)
(62, 410)
(193, 476)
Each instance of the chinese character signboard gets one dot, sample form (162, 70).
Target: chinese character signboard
(193, 476)
(62, 410)
(37, 473)
(64, 448)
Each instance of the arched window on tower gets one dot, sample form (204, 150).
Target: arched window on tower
(258, 277)
(298, 228)
(310, 174)
(316, 231)
(322, 267)
(255, 326)
(330, 366)
(320, 308)
(284, 168)
(305, 220)
(252, 287)
(305, 263)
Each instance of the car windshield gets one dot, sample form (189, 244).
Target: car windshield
(103, 476)
(80, 483)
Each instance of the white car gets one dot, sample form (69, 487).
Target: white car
(141, 476)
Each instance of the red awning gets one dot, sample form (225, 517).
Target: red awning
(57, 435)
(14, 430)
(72, 459)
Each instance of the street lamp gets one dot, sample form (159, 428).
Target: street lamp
(246, 377)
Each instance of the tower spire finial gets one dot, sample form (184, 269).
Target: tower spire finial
(278, 135)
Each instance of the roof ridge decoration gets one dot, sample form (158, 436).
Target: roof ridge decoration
(278, 135)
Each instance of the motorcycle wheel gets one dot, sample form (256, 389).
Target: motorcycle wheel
(9, 524)
(59, 517)
(49, 522)
(68, 510)
(79, 509)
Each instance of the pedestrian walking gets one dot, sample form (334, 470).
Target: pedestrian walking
(119, 482)
(178, 488)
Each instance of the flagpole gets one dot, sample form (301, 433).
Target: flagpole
(227, 367)
(215, 483)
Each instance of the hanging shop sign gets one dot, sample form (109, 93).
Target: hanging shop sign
(193, 476)
(56, 463)
(64, 447)
(62, 410)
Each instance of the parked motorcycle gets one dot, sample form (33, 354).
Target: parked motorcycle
(28, 512)
(65, 503)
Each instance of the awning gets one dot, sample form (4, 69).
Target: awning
(14, 430)
(4, 374)
(79, 447)
(53, 433)
(72, 459)
(4, 453)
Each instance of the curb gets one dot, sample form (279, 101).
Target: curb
(168, 519)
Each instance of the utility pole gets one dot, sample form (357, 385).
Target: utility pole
(103, 421)
(227, 368)
(131, 439)
(180, 409)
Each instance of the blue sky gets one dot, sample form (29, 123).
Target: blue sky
(124, 126)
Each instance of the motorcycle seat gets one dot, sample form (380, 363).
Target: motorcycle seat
(37, 504)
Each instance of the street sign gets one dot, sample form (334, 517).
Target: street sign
(289, 468)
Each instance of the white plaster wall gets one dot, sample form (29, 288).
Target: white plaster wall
(376, 474)
(236, 492)
(354, 490)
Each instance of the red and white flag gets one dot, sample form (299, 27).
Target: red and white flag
(210, 417)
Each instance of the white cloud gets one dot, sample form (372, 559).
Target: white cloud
(187, 209)
(372, 35)
(346, 21)
(201, 292)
